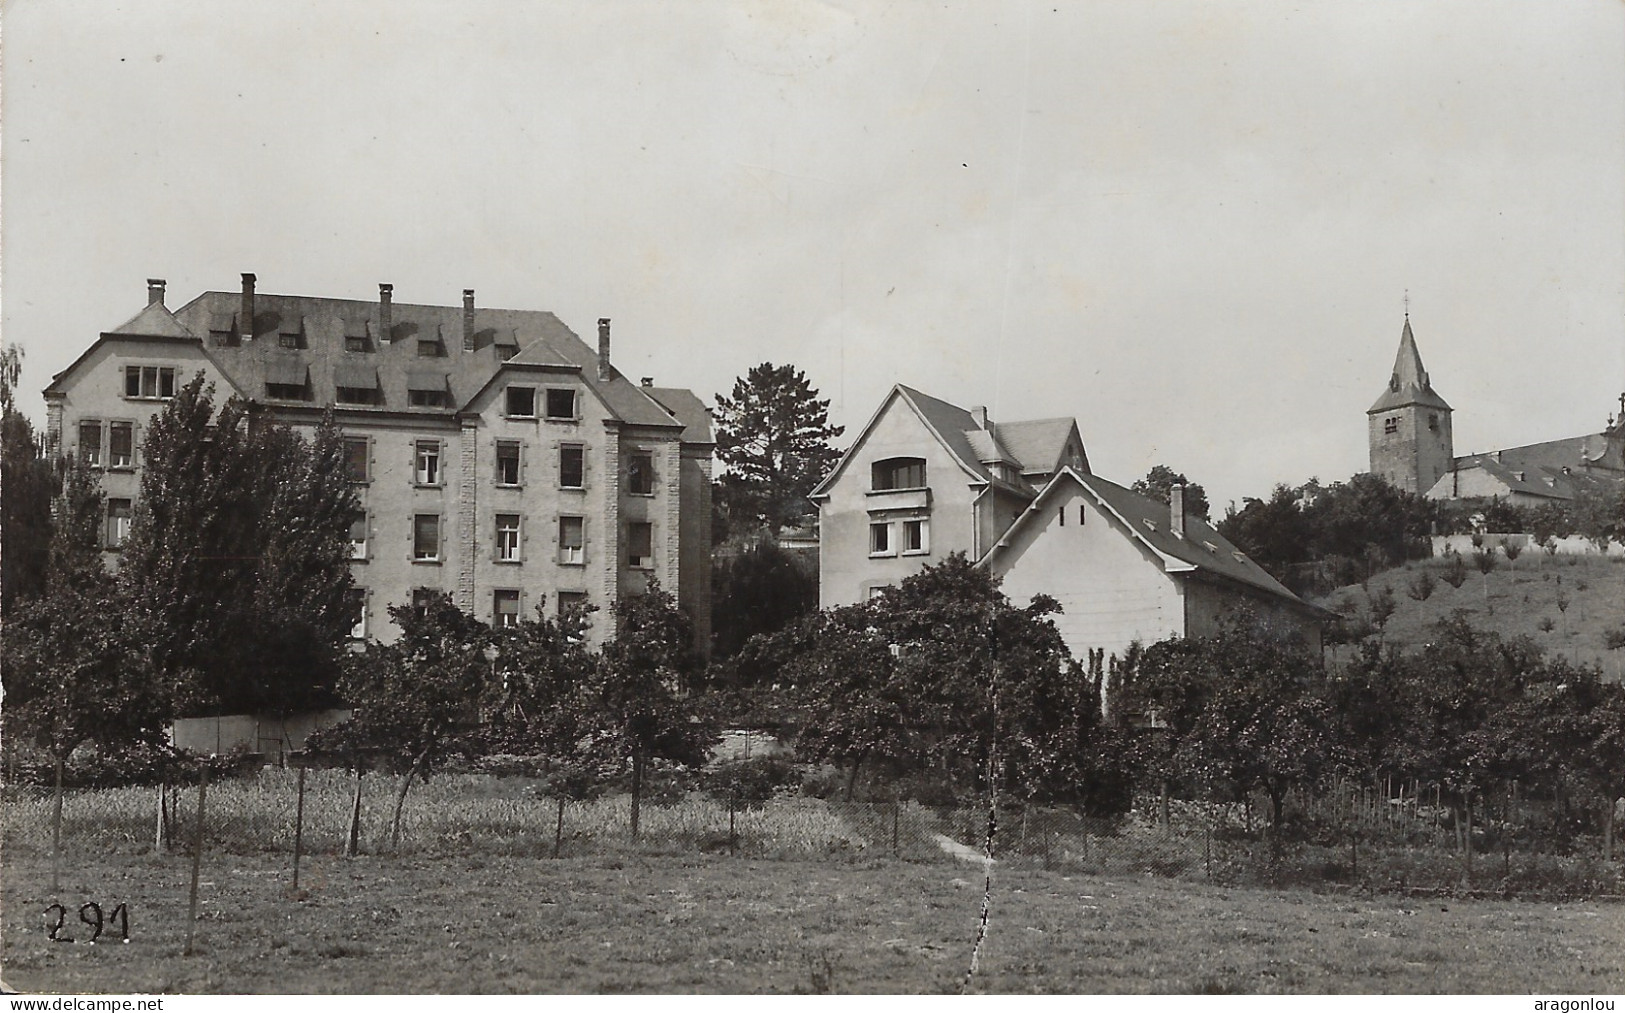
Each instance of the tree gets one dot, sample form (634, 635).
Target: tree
(238, 554)
(26, 476)
(641, 701)
(11, 371)
(1158, 484)
(412, 701)
(1242, 706)
(543, 675)
(756, 591)
(774, 435)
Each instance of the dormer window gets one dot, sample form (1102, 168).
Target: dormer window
(356, 338)
(430, 348)
(290, 339)
(897, 473)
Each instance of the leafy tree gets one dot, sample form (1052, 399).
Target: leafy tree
(641, 701)
(27, 478)
(758, 590)
(1274, 532)
(1158, 484)
(238, 554)
(540, 704)
(11, 371)
(1421, 586)
(1241, 706)
(413, 701)
(75, 666)
(774, 435)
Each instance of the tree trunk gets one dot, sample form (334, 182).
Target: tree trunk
(354, 843)
(558, 830)
(56, 830)
(852, 779)
(400, 798)
(637, 789)
(1608, 831)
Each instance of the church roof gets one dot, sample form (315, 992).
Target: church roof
(1409, 384)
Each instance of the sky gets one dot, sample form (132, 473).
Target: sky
(1194, 226)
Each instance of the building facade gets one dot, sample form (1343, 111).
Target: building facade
(926, 478)
(498, 457)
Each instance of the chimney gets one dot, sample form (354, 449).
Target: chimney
(604, 372)
(386, 312)
(468, 320)
(1176, 509)
(246, 323)
(155, 291)
(979, 415)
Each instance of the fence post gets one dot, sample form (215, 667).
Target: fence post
(1207, 849)
(56, 830)
(894, 850)
(299, 827)
(197, 860)
(158, 831)
(354, 843)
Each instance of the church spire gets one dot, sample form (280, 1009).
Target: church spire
(1409, 383)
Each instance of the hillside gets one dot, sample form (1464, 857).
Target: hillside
(1517, 599)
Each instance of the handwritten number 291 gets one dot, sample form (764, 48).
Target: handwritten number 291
(90, 914)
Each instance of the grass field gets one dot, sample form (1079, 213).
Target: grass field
(1517, 599)
(715, 924)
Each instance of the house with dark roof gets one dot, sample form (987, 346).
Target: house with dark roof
(498, 457)
(1411, 443)
(925, 479)
(1127, 569)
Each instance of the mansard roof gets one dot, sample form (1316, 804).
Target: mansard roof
(1409, 383)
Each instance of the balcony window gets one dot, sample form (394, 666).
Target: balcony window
(572, 466)
(507, 462)
(508, 538)
(572, 541)
(90, 444)
(640, 473)
(898, 473)
(426, 538)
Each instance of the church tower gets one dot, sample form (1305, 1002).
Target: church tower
(1409, 426)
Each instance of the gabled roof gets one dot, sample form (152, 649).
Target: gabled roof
(1033, 447)
(1409, 384)
(1201, 550)
(155, 322)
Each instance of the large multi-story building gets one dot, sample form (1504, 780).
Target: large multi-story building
(498, 457)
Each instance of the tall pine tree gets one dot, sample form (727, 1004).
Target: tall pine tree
(774, 435)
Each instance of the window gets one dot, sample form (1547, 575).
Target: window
(357, 600)
(1080, 515)
(427, 398)
(571, 600)
(898, 473)
(429, 348)
(358, 395)
(507, 351)
(880, 539)
(640, 552)
(222, 329)
(877, 591)
(1433, 421)
(121, 445)
(422, 599)
(522, 402)
(149, 381)
(427, 468)
(572, 466)
(90, 443)
(1390, 425)
(358, 536)
(508, 538)
(357, 452)
(507, 462)
(426, 538)
(505, 609)
(118, 522)
(572, 540)
(561, 403)
(355, 336)
(916, 537)
(287, 392)
(290, 339)
(640, 473)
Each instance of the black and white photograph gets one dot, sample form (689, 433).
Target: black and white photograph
(808, 497)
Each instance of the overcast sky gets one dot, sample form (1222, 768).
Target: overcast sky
(1191, 225)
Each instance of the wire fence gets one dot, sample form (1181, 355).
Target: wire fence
(1351, 838)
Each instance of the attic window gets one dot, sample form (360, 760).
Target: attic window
(1211, 547)
(356, 338)
(291, 339)
(222, 329)
(897, 473)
